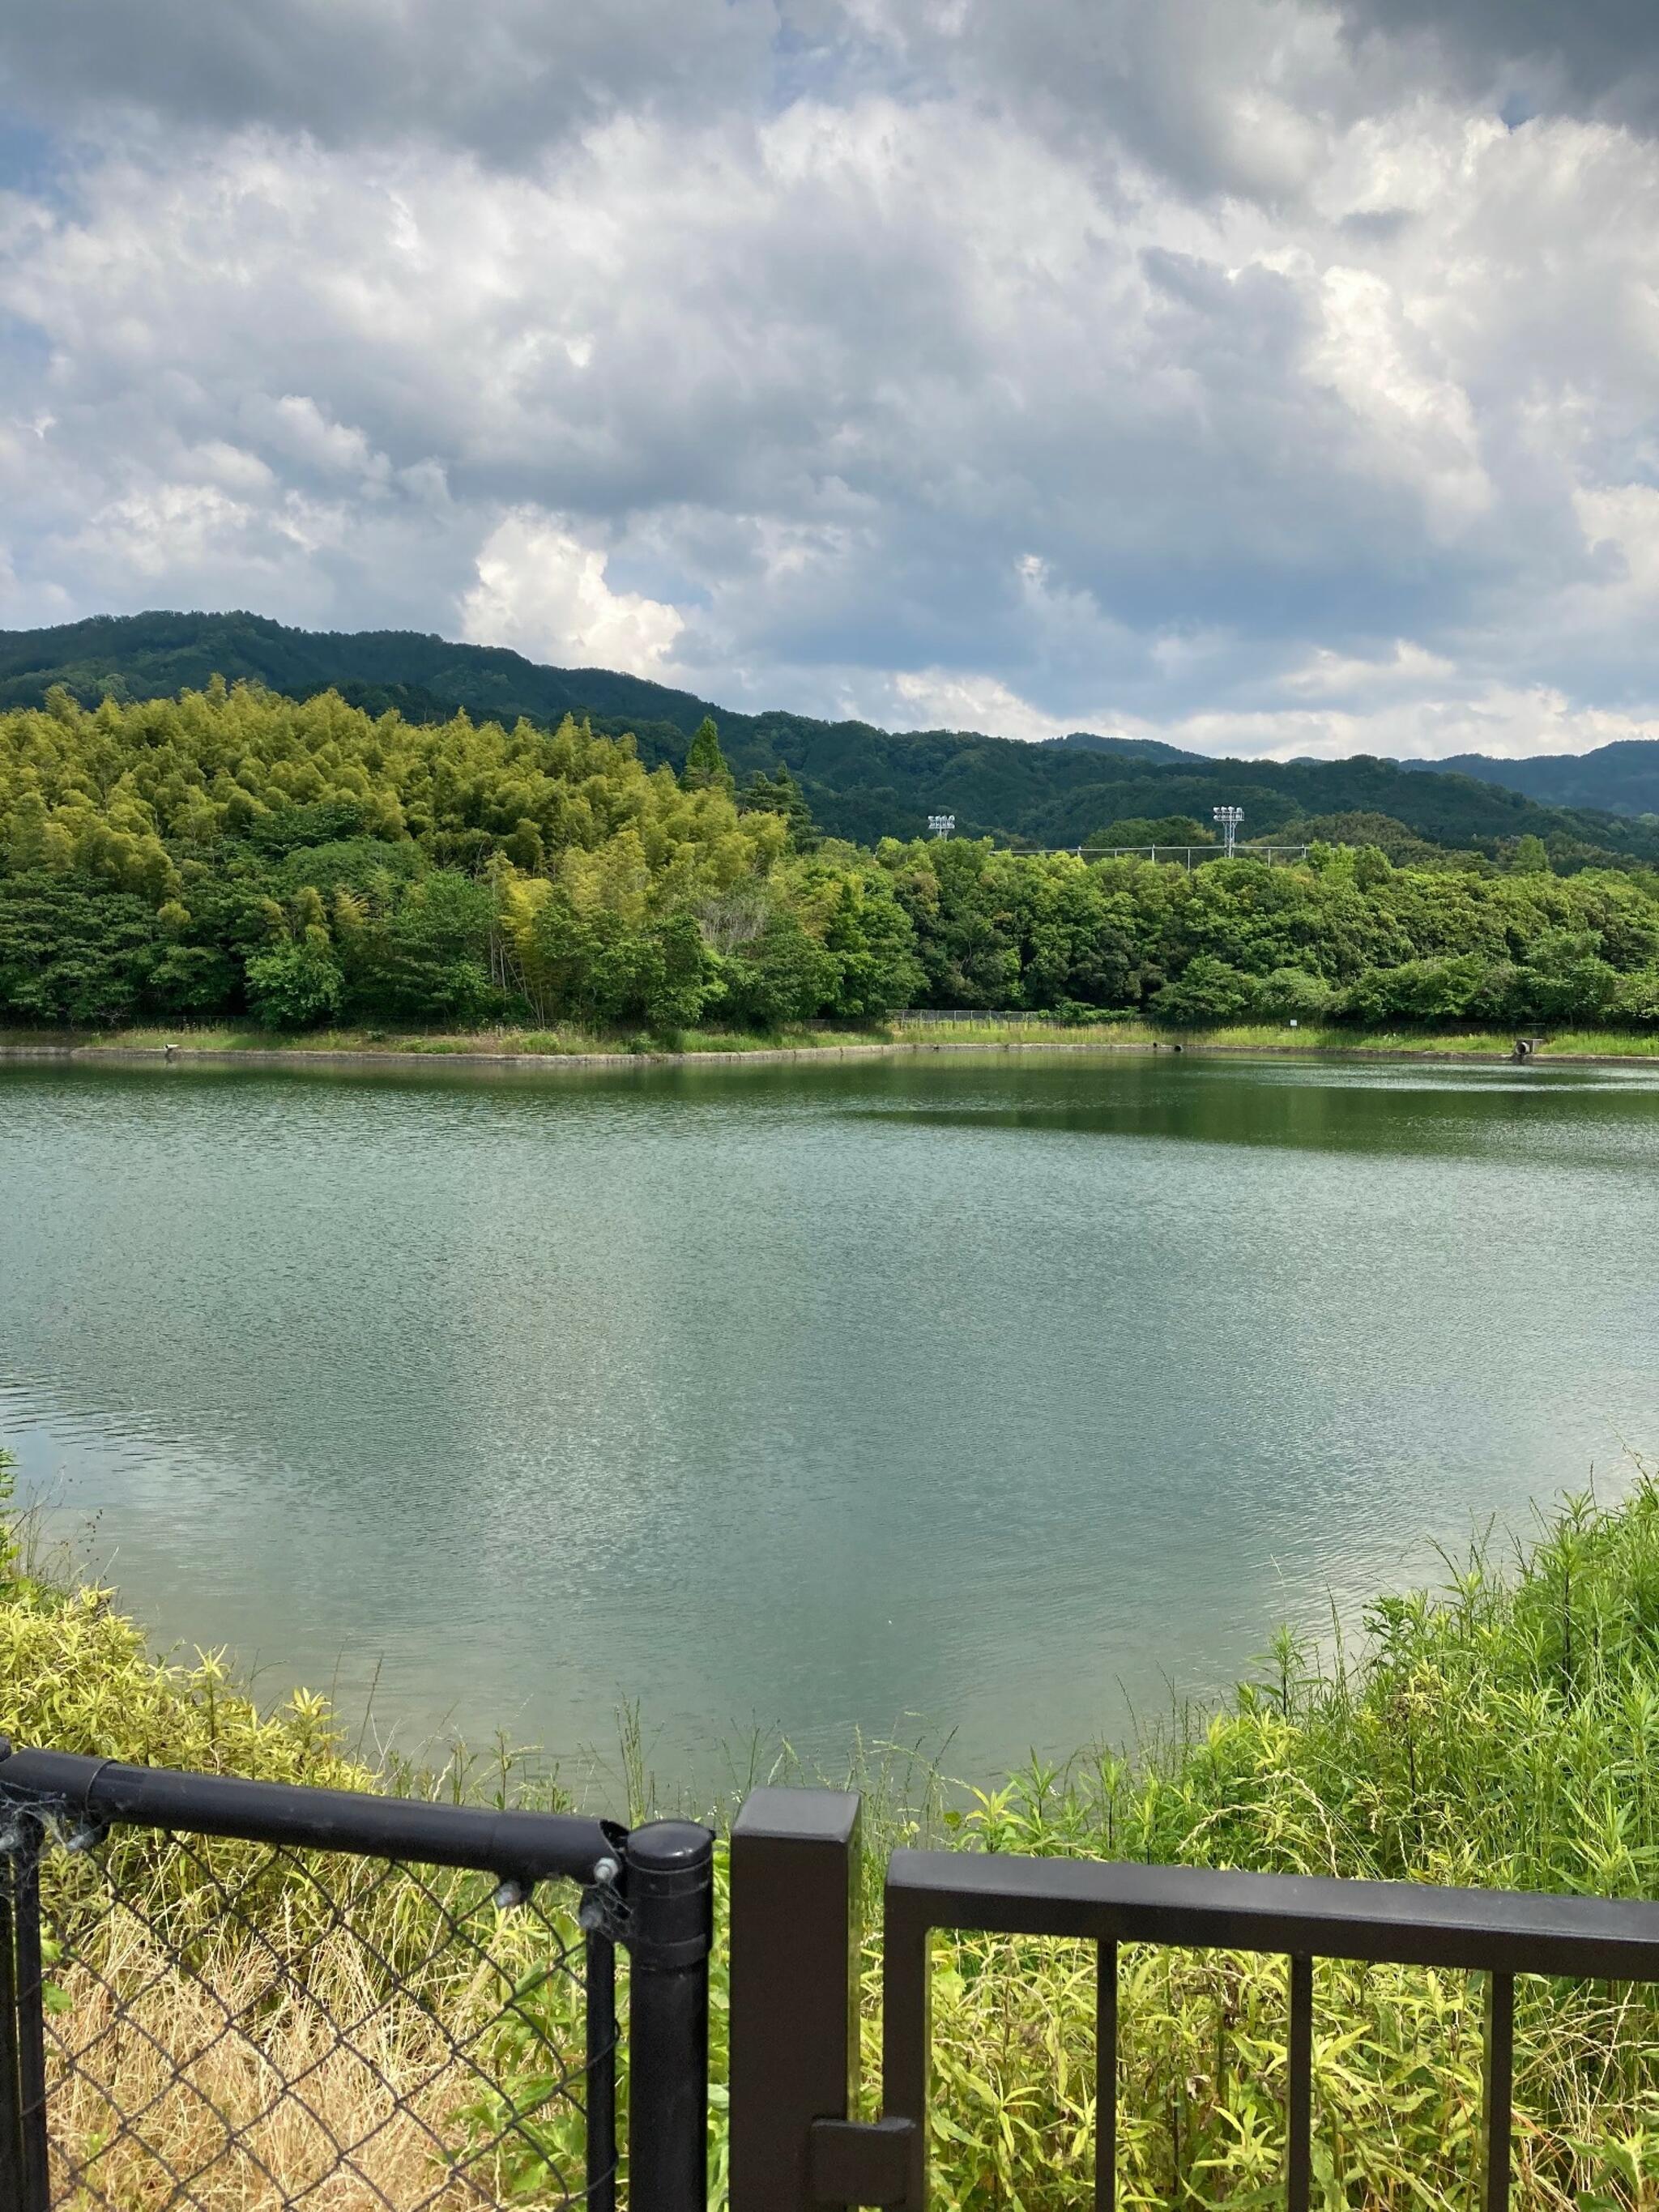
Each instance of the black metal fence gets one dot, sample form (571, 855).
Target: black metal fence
(219, 1993)
(228, 1996)
(796, 2139)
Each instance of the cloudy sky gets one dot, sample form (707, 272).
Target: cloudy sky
(1272, 376)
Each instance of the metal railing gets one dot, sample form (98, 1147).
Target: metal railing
(796, 2142)
(1190, 856)
(219, 1992)
(932, 1016)
(216, 1992)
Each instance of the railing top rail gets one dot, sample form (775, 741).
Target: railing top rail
(1404, 1923)
(516, 1845)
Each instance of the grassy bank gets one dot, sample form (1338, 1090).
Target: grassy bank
(570, 1041)
(564, 1042)
(1345, 1037)
(1503, 1730)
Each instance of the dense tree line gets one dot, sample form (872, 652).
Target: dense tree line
(234, 852)
(860, 782)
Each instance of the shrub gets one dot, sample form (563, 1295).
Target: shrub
(1206, 990)
(1292, 995)
(295, 986)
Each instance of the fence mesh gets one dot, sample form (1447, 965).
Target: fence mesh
(239, 2028)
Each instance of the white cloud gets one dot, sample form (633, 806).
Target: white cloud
(1408, 671)
(544, 592)
(1506, 721)
(1179, 368)
(295, 427)
(934, 699)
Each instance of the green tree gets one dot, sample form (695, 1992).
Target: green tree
(783, 975)
(426, 957)
(73, 952)
(1206, 990)
(1565, 979)
(1371, 868)
(781, 795)
(1530, 857)
(1441, 989)
(295, 986)
(1172, 829)
(705, 766)
(1292, 994)
(872, 944)
(678, 977)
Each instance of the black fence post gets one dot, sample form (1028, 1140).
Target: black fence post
(32, 2020)
(794, 1945)
(13, 2184)
(599, 1982)
(671, 1925)
(23, 2145)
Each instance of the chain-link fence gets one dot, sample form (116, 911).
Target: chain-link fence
(229, 1996)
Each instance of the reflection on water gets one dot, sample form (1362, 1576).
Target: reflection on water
(979, 1394)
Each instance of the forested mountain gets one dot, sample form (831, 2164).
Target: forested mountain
(860, 782)
(1619, 779)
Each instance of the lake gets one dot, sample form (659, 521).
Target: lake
(982, 1400)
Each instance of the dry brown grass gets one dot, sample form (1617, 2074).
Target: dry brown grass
(257, 2092)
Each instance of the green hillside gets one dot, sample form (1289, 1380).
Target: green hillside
(862, 782)
(1622, 778)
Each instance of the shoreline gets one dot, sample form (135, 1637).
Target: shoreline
(878, 1048)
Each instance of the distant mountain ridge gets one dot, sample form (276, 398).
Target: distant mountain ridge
(1620, 778)
(862, 782)
(1149, 748)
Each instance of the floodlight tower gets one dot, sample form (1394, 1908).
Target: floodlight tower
(940, 825)
(1229, 818)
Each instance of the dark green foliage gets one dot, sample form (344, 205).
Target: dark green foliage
(192, 980)
(73, 950)
(1622, 777)
(781, 795)
(1565, 978)
(420, 954)
(604, 969)
(782, 976)
(1206, 991)
(705, 766)
(859, 783)
(1172, 829)
(872, 942)
(1383, 832)
(295, 986)
(290, 829)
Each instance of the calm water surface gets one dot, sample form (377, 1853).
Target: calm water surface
(979, 1396)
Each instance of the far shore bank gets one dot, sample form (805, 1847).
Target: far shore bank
(246, 1048)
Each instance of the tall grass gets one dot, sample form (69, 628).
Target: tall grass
(1501, 1731)
(1113, 1031)
(1277, 1036)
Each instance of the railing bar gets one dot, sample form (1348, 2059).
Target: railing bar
(600, 1978)
(1298, 2117)
(508, 1841)
(1499, 2088)
(1106, 2077)
(1404, 1923)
